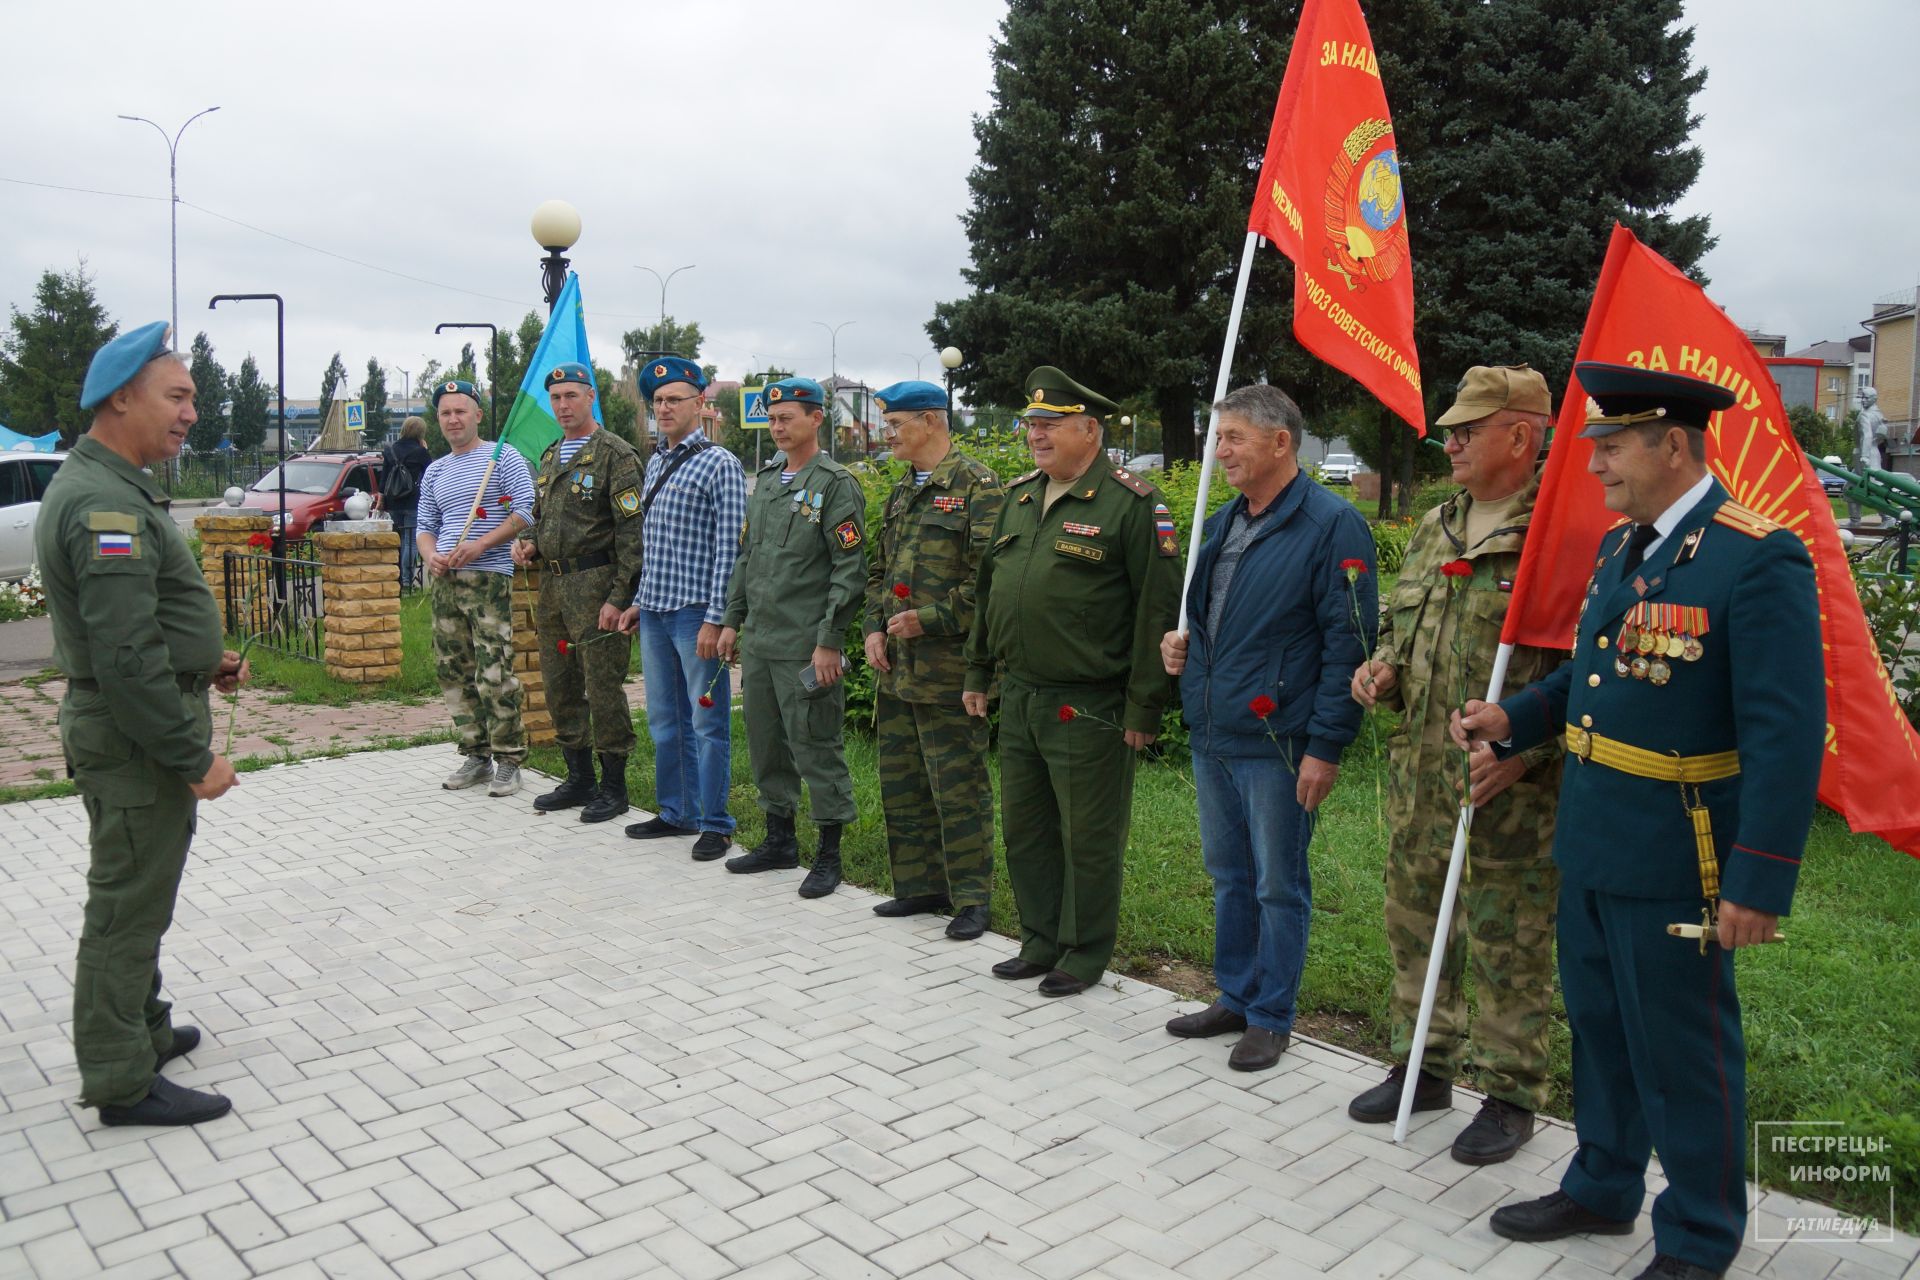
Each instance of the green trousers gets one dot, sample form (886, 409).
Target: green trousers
(140, 820)
(1066, 798)
(586, 686)
(938, 800)
(796, 736)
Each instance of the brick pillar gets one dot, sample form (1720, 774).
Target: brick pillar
(526, 659)
(220, 534)
(360, 598)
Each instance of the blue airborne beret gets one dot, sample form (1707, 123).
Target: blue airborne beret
(664, 369)
(570, 373)
(803, 390)
(455, 387)
(115, 364)
(1623, 395)
(910, 397)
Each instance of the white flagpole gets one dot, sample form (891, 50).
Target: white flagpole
(1443, 923)
(1213, 419)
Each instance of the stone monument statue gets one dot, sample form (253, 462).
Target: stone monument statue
(1870, 449)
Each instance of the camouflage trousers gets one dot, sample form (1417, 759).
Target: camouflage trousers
(586, 686)
(1502, 926)
(938, 800)
(473, 660)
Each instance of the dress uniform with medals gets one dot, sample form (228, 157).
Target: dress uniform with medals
(933, 755)
(797, 586)
(587, 544)
(1692, 713)
(1073, 599)
(139, 637)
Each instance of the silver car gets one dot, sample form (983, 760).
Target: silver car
(23, 482)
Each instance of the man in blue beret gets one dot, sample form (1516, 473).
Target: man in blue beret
(920, 609)
(1695, 709)
(693, 505)
(139, 637)
(802, 570)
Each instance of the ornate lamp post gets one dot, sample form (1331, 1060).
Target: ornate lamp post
(950, 359)
(556, 228)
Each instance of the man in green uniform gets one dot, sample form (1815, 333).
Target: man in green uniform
(797, 585)
(920, 608)
(1695, 708)
(1436, 640)
(137, 634)
(586, 542)
(1080, 583)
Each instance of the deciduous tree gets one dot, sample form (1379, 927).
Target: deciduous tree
(209, 397)
(44, 356)
(373, 394)
(249, 397)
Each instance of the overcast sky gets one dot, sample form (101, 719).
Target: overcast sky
(809, 158)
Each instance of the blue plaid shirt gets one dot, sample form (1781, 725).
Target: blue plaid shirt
(692, 535)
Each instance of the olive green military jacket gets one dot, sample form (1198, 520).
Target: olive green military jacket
(131, 613)
(591, 506)
(803, 561)
(1080, 595)
(931, 543)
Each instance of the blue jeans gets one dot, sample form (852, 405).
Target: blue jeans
(1253, 839)
(692, 744)
(403, 524)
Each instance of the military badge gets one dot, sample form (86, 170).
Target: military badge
(628, 503)
(659, 371)
(848, 534)
(776, 394)
(1366, 229)
(1084, 530)
(114, 546)
(949, 503)
(1165, 538)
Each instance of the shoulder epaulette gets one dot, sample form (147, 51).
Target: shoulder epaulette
(1133, 482)
(1744, 520)
(1023, 479)
(544, 453)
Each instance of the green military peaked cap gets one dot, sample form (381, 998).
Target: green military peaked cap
(1054, 395)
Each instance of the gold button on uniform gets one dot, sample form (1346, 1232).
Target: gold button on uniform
(1586, 722)
(1602, 642)
(1594, 679)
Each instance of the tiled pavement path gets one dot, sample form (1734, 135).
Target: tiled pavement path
(465, 1041)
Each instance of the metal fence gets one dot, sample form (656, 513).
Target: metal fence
(276, 601)
(211, 473)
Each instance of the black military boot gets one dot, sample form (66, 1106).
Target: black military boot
(610, 800)
(778, 852)
(578, 787)
(825, 876)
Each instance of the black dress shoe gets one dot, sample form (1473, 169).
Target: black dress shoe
(1382, 1102)
(1258, 1050)
(1059, 982)
(969, 923)
(1214, 1020)
(1552, 1217)
(1496, 1133)
(167, 1103)
(1667, 1267)
(185, 1041)
(711, 845)
(1016, 969)
(920, 905)
(656, 828)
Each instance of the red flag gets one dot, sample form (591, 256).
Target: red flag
(1330, 199)
(1646, 313)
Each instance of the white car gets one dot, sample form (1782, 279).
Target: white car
(23, 482)
(1339, 468)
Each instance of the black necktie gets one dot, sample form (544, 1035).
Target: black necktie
(1643, 535)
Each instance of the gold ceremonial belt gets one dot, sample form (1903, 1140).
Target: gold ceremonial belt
(1642, 763)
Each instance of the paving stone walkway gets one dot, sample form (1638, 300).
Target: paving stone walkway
(463, 1040)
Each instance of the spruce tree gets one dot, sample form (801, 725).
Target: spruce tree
(44, 356)
(209, 398)
(373, 395)
(334, 378)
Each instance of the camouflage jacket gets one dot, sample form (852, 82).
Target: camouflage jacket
(591, 506)
(931, 540)
(1440, 640)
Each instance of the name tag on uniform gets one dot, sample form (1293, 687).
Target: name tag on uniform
(1079, 549)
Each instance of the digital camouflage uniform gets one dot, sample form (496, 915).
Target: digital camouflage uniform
(586, 536)
(796, 586)
(1441, 645)
(473, 661)
(1073, 602)
(933, 755)
(138, 635)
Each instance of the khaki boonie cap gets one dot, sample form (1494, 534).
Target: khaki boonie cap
(1489, 388)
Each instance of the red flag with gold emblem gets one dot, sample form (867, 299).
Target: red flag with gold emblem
(1330, 199)
(1646, 313)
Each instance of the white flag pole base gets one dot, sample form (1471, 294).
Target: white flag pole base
(1443, 925)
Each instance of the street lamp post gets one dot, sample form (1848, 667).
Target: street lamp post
(173, 206)
(280, 381)
(950, 359)
(664, 282)
(406, 390)
(833, 374)
(493, 342)
(556, 228)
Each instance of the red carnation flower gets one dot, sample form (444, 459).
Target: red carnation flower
(565, 647)
(706, 699)
(259, 540)
(901, 590)
(479, 513)
(1067, 713)
(1457, 569)
(506, 500)
(1353, 566)
(1262, 707)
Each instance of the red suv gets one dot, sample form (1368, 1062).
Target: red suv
(318, 486)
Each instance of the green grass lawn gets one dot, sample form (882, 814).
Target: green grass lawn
(304, 681)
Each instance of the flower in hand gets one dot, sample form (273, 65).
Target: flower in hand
(1262, 707)
(1067, 713)
(901, 591)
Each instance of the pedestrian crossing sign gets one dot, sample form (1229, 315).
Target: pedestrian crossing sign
(356, 415)
(753, 408)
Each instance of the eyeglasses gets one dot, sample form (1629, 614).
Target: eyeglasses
(894, 426)
(667, 402)
(1463, 436)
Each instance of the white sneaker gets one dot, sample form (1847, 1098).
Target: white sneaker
(473, 771)
(506, 779)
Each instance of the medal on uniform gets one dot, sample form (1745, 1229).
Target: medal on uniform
(1620, 667)
(1640, 666)
(1658, 671)
(1644, 642)
(814, 513)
